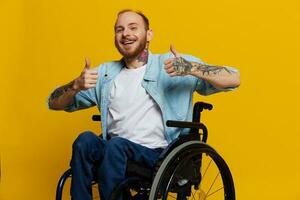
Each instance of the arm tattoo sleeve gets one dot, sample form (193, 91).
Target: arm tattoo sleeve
(184, 67)
(60, 91)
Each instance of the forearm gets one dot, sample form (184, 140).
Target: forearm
(219, 76)
(62, 97)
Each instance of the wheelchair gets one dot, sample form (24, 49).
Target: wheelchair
(187, 169)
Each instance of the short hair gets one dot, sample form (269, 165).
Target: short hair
(145, 19)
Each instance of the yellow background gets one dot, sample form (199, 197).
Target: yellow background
(255, 128)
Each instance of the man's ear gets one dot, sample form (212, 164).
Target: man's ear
(149, 35)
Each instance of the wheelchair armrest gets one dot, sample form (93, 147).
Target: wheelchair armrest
(195, 127)
(184, 124)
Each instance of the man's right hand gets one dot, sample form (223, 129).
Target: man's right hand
(87, 79)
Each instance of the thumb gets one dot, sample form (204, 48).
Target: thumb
(87, 63)
(172, 49)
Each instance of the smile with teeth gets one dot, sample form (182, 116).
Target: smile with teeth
(127, 42)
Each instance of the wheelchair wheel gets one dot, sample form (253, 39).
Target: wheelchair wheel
(193, 170)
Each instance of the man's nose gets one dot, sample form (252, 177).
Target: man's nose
(126, 32)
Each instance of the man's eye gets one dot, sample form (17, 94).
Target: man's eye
(133, 28)
(118, 30)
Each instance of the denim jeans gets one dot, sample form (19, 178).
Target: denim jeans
(104, 161)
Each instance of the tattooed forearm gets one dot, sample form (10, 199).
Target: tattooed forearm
(209, 69)
(61, 90)
(184, 67)
(62, 97)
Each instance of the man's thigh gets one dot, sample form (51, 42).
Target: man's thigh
(131, 151)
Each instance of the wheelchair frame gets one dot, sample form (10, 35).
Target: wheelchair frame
(183, 153)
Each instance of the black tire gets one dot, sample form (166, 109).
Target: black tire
(175, 178)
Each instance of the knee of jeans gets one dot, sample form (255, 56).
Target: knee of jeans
(116, 143)
(83, 140)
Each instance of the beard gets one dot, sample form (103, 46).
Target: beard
(134, 50)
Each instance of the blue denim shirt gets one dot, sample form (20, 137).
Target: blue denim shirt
(172, 94)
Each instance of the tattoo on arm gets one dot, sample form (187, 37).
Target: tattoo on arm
(60, 91)
(210, 69)
(184, 67)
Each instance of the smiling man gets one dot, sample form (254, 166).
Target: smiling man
(136, 96)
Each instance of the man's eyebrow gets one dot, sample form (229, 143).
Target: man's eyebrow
(130, 24)
(118, 26)
(133, 23)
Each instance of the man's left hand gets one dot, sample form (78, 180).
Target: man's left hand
(177, 66)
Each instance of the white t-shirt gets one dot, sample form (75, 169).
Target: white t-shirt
(132, 113)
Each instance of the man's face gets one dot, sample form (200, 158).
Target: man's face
(130, 35)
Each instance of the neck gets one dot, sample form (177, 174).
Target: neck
(138, 61)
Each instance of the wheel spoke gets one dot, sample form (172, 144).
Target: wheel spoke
(214, 192)
(198, 194)
(169, 196)
(213, 183)
(193, 195)
(206, 168)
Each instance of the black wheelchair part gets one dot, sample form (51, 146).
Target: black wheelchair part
(187, 169)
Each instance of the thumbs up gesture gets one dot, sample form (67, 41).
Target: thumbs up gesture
(87, 79)
(177, 66)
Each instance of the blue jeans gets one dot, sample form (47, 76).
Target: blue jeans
(104, 161)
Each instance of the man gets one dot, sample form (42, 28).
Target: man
(136, 96)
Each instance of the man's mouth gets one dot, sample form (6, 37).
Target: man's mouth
(127, 42)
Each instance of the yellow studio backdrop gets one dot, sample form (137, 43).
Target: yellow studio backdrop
(255, 128)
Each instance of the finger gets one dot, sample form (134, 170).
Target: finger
(173, 50)
(92, 85)
(89, 79)
(89, 85)
(87, 63)
(93, 77)
(173, 74)
(170, 60)
(168, 66)
(87, 75)
(92, 72)
(91, 82)
(170, 70)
